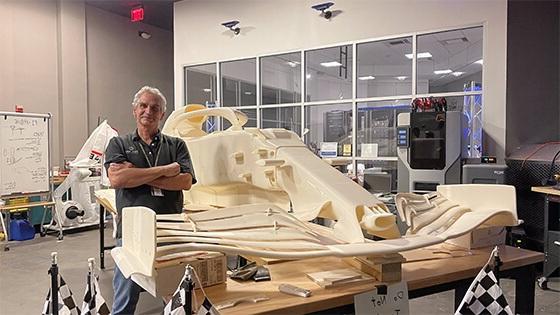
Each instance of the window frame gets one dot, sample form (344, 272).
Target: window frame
(354, 100)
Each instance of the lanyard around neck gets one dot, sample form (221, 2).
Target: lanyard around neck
(146, 156)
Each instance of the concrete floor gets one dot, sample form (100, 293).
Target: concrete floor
(24, 281)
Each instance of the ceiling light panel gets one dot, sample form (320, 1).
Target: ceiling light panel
(452, 41)
(422, 55)
(365, 78)
(331, 64)
(446, 71)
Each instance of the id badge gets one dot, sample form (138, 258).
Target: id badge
(156, 192)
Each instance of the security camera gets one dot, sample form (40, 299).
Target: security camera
(231, 25)
(144, 34)
(323, 7)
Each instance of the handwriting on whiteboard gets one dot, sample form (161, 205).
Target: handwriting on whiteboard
(24, 156)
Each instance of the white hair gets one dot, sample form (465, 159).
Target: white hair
(151, 90)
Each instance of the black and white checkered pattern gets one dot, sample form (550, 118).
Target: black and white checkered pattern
(207, 308)
(66, 303)
(484, 296)
(177, 304)
(94, 303)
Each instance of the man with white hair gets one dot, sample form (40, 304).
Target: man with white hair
(149, 169)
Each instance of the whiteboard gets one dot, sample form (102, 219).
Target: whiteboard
(24, 153)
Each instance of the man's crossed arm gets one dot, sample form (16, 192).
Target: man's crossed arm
(168, 177)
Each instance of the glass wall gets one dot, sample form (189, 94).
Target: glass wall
(329, 125)
(335, 99)
(281, 79)
(201, 84)
(377, 127)
(446, 61)
(328, 74)
(239, 82)
(384, 68)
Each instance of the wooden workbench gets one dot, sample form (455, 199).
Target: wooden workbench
(548, 190)
(423, 278)
(105, 199)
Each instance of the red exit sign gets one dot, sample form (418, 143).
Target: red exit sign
(137, 14)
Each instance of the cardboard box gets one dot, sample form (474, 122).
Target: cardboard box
(211, 270)
(482, 237)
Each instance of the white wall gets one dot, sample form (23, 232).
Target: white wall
(57, 58)
(120, 62)
(270, 26)
(29, 59)
(72, 120)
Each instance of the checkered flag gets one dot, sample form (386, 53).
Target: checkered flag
(178, 302)
(484, 296)
(66, 303)
(94, 303)
(207, 308)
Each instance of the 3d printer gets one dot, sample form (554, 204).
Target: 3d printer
(428, 146)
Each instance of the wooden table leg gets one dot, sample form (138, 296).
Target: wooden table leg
(525, 290)
(460, 291)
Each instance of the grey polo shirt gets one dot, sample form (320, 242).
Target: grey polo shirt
(128, 148)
